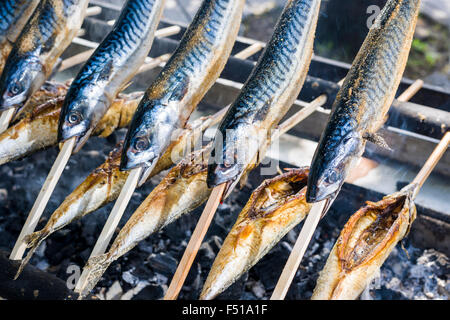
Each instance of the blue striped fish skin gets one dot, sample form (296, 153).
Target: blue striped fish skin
(267, 95)
(364, 99)
(46, 35)
(113, 64)
(185, 79)
(13, 16)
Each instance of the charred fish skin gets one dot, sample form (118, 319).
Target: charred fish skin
(47, 34)
(187, 76)
(268, 94)
(364, 98)
(114, 63)
(273, 209)
(13, 16)
(365, 242)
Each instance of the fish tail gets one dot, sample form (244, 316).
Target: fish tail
(95, 267)
(32, 241)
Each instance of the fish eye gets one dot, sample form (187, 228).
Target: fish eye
(16, 88)
(75, 117)
(332, 177)
(141, 144)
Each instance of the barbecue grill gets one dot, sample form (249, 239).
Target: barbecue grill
(412, 130)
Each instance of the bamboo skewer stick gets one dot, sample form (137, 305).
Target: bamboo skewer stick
(194, 243)
(112, 222)
(249, 51)
(84, 56)
(411, 91)
(431, 162)
(130, 185)
(290, 269)
(93, 11)
(318, 210)
(43, 197)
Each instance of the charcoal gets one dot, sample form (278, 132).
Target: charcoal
(206, 254)
(163, 263)
(269, 268)
(150, 292)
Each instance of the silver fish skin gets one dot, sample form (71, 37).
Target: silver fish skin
(364, 98)
(187, 76)
(267, 95)
(13, 16)
(50, 30)
(114, 63)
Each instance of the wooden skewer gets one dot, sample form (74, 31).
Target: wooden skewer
(249, 51)
(43, 197)
(81, 32)
(431, 162)
(114, 217)
(298, 251)
(411, 91)
(93, 11)
(83, 56)
(118, 210)
(318, 210)
(194, 243)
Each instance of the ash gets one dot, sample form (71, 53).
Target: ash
(145, 272)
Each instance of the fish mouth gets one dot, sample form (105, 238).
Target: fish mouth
(220, 174)
(11, 103)
(130, 163)
(81, 132)
(316, 193)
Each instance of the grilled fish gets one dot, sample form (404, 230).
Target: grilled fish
(364, 98)
(267, 95)
(104, 184)
(13, 16)
(364, 244)
(273, 209)
(181, 191)
(182, 83)
(47, 34)
(113, 64)
(38, 129)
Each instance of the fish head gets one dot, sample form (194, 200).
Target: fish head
(148, 137)
(19, 81)
(228, 158)
(80, 114)
(333, 159)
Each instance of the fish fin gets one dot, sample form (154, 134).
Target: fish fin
(95, 267)
(376, 139)
(32, 241)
